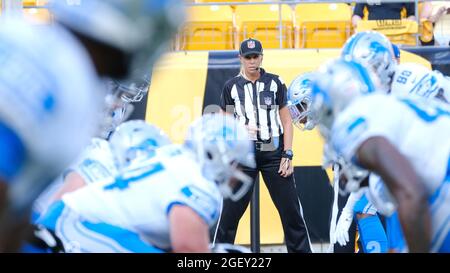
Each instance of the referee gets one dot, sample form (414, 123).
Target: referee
(258, 99)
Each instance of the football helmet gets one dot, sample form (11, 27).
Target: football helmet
(299, 101)
(374, 50)
(337, 83)
(135, 141)
(220, 145)
(142, 29)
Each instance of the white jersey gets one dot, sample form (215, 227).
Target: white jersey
(419, 128)
(141, 199)
(416, 80)
(50, 97)
(95, 164)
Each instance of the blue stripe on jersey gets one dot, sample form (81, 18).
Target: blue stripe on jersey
(437, 192)
(445, 247)
(50, 219)
(443, 228)
(355, 124)
(170, 206)
(12, 153)
(126, 238)
(437, 200)
(199, 213)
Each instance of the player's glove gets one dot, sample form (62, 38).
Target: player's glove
(342, 227)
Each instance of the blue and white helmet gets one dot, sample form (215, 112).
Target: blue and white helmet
(374, 50)
(299, 101)
(337, 83)
(220, 145)
(135, 141)
(142, 29)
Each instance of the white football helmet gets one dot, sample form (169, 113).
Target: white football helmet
(299, 101)
(337, 83)
(374, 50)
(142, 29)
(135, 141)
(220, 145)
(417, 80)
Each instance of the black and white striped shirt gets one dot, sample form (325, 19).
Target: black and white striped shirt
(256, 104)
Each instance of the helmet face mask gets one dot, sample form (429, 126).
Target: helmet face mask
(221, 146)
(352, 174)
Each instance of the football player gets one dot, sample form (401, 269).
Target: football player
(361, 133)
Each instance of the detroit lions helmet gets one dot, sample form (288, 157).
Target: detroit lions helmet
(142, 29)
(374, 50)
(299, 101)
(220, 145)
(135, 141)
(337, 83)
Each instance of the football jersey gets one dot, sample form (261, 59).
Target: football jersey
(417, 80)
(94, 164)
(141, 198)
(50, 97)
(419, 128)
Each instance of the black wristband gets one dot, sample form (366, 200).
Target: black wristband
(289, 156)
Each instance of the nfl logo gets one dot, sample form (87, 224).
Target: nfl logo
(251, 44)
(268, 100)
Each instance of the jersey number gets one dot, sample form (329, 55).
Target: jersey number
(121, 183)
(403, 78)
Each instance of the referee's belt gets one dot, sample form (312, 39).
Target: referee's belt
(269, 145)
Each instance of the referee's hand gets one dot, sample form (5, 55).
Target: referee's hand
(286, 168)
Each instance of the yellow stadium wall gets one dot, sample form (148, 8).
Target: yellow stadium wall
(176, 98)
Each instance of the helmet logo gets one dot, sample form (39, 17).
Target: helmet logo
(251, 44)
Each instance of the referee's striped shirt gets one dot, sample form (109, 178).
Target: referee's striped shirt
(256, 104)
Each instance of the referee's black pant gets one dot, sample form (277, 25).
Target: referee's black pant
(284, 195)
